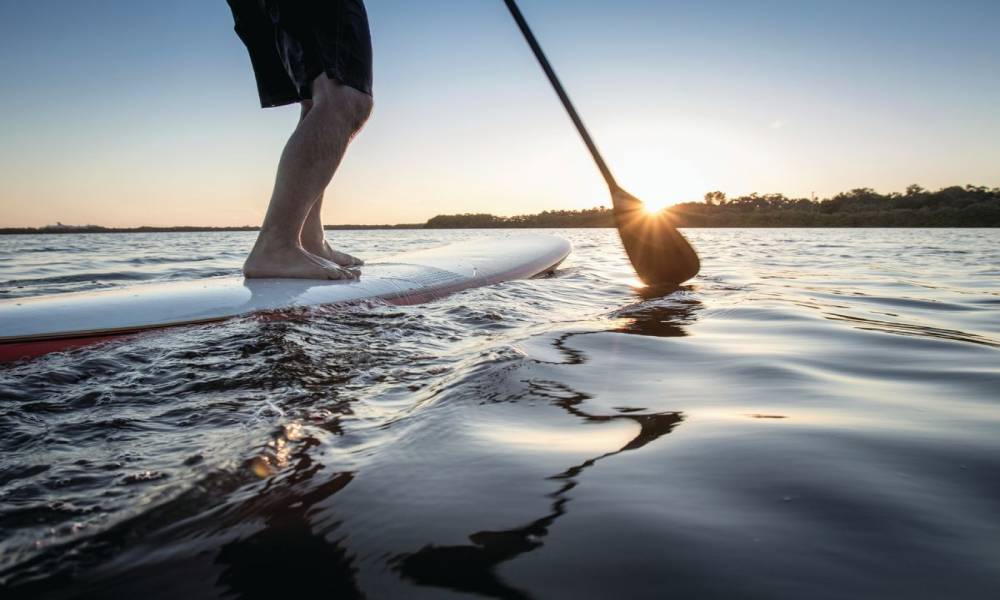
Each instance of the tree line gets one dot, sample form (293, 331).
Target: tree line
(955, 206)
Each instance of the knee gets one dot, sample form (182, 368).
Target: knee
(360, 109)
(344, 105)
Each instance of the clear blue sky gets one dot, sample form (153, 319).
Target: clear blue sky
(122, 112)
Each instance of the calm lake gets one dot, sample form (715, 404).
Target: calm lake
(817, 415)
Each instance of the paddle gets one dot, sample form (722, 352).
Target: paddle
(659, 253)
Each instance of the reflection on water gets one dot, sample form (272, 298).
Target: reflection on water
(659, 317)
(471, 568)
(831, 397)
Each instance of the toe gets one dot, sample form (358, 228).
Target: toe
(346, 274)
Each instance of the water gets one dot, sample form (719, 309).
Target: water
(816, 415)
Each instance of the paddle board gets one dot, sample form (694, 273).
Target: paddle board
(38, 325)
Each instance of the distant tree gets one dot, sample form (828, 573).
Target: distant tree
(715, 198)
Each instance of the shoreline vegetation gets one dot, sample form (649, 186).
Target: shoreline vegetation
(956, 206)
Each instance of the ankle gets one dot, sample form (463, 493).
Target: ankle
(275, 241)
(313, 241)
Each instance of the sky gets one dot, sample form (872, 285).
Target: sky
(124, 113)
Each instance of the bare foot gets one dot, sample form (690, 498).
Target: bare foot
(325, 250)
(292, 262)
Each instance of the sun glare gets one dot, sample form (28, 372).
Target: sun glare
(655, 205)
(661, 181)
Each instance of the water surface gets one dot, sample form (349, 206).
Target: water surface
(816, 415)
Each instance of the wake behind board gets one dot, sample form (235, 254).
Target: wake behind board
(38, 325)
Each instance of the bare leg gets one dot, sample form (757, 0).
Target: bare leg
(307, 164)
(313, 235)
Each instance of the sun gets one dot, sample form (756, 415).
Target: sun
(662, 181)
(655, 205)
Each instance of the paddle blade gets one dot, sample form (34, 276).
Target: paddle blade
(659, 253)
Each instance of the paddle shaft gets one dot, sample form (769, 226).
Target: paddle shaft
(561, 92)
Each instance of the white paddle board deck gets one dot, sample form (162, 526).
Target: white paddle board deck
(38, 325)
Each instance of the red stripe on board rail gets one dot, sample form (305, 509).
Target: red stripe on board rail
(22, 350)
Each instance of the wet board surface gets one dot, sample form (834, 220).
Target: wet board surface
(42, 324)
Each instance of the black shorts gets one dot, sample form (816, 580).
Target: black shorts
(292, 41)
